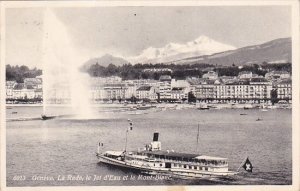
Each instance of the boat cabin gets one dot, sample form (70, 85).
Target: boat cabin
(114, 154)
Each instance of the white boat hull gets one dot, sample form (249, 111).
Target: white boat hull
(177, 173)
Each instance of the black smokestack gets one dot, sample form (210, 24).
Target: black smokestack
(155, 136)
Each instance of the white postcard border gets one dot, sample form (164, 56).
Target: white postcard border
(295, 68)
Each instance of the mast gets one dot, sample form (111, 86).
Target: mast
(130, 128)
(126, 140)
(197, 138)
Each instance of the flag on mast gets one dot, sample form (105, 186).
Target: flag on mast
(130, 124)
(248, 165)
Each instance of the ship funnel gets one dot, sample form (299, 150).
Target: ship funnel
(155, 144)
(155, 136)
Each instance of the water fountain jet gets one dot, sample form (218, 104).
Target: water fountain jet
(63, 83)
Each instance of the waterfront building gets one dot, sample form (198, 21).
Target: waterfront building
(146, 92)
(179, 89)
(165, 90)
(165, 87)
(284, 89)
(261, 87)
(105, 80)
(142, 82)
(98, 93)
(204, 88)
(115, 91)
(9, 85)
(244, 91)
(38, 93)
(179, 93)
(205, 91)
(35, 83)
(130, 91)
(20, 92)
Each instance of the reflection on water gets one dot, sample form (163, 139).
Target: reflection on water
(66, 146)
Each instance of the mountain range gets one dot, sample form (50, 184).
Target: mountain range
(275, 51)
(203, 45)
(206, 50)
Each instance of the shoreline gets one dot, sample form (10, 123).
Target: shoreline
(212, 106)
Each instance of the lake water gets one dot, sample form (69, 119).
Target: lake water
(66, 147)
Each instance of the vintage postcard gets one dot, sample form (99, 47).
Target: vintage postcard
(152, 95)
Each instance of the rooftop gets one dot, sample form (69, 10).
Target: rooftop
(19, 86)
(287, 81)
(210, 158)
(181, 155)
(171, 154)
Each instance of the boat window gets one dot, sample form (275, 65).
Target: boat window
(160, 164)
(184, 166)
(206, 168)
(195, 167)
(168, 165)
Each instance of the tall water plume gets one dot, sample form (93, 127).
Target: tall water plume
(63, 83)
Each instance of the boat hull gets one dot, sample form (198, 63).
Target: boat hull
(175, 173)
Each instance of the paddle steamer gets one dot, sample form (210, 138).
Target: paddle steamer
(152, 160)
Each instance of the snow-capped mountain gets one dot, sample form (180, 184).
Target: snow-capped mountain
(203, 45)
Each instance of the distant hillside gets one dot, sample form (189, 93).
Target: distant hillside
(19, 73)
(105, 60)
(275, 51)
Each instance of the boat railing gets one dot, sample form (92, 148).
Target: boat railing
(197, 163)
(192, 163)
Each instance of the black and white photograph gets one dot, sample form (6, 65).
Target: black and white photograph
(115, 94)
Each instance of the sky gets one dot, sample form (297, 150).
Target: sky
(127, 31)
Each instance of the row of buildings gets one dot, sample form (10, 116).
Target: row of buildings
(247, 87)
(31, 89)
